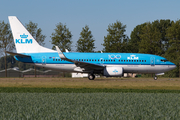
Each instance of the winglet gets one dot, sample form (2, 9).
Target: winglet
(66, 50)
(61, 55)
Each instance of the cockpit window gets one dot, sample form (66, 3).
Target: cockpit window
(164, 60)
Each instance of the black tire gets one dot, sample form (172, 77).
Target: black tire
(91, 76)
(155, 78)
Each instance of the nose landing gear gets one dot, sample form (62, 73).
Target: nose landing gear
(155, 78)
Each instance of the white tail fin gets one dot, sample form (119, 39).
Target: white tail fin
(23, 40)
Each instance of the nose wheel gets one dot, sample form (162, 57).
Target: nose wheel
(91, 76)
(155, 77)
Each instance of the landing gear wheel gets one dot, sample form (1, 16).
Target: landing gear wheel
(155, 77)
(91, 76)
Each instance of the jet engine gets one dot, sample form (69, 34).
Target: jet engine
(111, 71)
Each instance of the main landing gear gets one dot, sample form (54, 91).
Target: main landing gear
(91, 76)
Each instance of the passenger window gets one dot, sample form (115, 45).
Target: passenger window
(53, 59)
(126, 60)
(142, 60)
(58, 59)
(139, 60)
(121, 60)
(134, 60)
(114, 60)
(145, 60)
(129, 60)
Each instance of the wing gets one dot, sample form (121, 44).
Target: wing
(84, 65)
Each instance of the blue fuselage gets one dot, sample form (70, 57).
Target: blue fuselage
(131, 62)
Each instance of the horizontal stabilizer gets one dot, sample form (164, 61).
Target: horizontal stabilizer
(18, 54)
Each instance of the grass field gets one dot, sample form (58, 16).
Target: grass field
(80, 98)
(90, 106)
(111, 83)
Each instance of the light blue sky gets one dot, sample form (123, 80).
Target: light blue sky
(97, 14)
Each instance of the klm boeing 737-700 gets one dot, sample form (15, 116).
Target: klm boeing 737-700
(107, 64)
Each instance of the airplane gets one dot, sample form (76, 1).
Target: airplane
(107, 64)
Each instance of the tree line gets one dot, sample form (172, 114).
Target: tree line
(160, 37)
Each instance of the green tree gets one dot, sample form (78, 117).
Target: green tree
(173, 52)
(36, 32)
(6, 41)
(61, 37)
(162, 26)
(150, 40)
(86, 41)
(135, 38)
(116, 40)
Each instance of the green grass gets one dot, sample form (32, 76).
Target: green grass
(80, 90)
(88, 103)
(90, 106)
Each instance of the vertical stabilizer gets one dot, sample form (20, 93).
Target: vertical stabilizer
(23, 40)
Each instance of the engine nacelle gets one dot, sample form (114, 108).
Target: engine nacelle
(111, 71)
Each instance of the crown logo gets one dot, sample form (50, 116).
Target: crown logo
(115, 71)
(23, 36)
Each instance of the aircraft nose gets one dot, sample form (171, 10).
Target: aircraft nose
(173, 66)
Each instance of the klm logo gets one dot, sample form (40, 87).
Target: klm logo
(24, 40)
(115, 71)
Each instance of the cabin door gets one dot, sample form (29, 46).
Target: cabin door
(152, 61)
(43, 60)
(101, 61)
